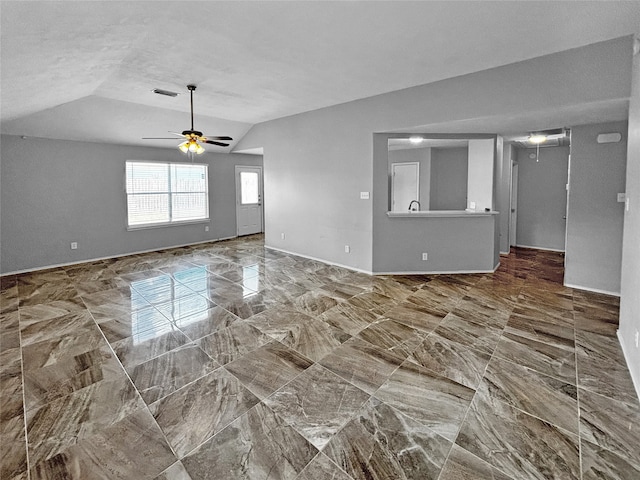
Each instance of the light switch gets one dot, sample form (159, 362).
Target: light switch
(621, 197)
(364, 195)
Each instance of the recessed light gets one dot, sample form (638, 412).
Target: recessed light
(537, 138)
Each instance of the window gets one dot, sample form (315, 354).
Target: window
(166, 193)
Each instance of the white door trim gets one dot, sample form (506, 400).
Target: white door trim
(241, 209)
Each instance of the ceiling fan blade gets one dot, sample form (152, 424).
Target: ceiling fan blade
(210, 137)
(216, 143)
(159, 138)
(178, 134)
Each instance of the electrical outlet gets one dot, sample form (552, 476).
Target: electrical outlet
(425, 256)
(282, 236)
(74, 245)
(347, 249)
(206, 228)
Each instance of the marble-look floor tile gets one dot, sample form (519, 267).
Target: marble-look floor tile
(363, 364)
(167, 373)
(415, 316)
(542, 357)
(545, 397)
(536, 329)
(599, 463)
(13, 454)
(231, 343)
(84, 424)
(317, 404)
(9, 330)
(480, 310)
(312, 338)
(59, 424)
(462, 465)
(76, 324)
(321, 468)
(257, 445)
(373, 302)
(44, 311)
(519, 444)
(602, 367)
(206, 322)
(134, 350)
(68, 374)
(11, 391)
(64, 337)
(268, 368)
(193, 414)
(348, 318)
(134, 447)
(451, 359)
(380, 443)
(9, 299)
(316, 302)
(174, 472)
(393, 336)
(185, 306)
(251, 304)
(611, 424)
(142, 324)
(479, 336)
(427, 397)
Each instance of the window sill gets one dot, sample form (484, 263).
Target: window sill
(131, 228)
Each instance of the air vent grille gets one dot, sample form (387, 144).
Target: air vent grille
(166, 93)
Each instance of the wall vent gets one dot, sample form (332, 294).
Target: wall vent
(166, 93)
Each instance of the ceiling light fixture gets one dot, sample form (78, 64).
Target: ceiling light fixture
(537, 138)
(416, 140)
(192, 146)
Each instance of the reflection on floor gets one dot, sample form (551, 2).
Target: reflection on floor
(231, 361)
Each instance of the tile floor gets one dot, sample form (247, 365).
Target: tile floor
(231, 361)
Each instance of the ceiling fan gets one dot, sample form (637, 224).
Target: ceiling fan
(193, 136)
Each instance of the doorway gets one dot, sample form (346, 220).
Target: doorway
(405, 185)
(249, 211)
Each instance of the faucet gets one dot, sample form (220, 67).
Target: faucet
(412, 202)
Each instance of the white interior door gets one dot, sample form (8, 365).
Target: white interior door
(249, 200)
(405, 185)
(513, 220)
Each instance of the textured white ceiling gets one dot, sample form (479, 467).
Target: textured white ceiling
(85, 70)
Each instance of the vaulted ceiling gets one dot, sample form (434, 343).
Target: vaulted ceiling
(84, 70)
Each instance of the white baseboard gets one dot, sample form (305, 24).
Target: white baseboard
(634, 378)
(594, 290)
(97, 259)
(348, 267)
(541, 248)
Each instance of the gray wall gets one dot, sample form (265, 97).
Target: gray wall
(449, 169)
(595, 218)
(630, 283)
(542, 198)
(54, 192)
(318, 162)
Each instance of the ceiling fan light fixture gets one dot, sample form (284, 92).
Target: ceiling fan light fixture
(537, 138)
